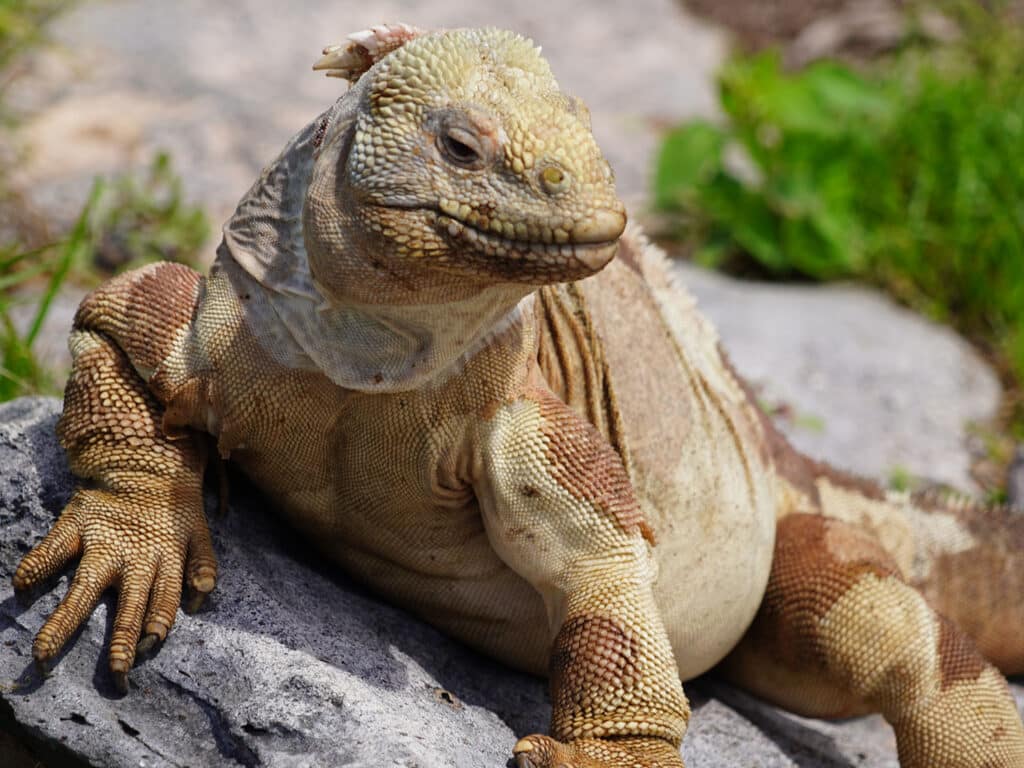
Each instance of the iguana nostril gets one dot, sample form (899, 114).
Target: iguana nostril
(554, 180)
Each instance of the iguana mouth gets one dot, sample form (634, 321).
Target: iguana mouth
(591, 255)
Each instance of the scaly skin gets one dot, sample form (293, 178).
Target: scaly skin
(566, 475)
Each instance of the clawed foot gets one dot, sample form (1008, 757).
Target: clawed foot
(539, 751)
(140, 544)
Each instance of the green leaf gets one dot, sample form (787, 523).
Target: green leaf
(690, 156)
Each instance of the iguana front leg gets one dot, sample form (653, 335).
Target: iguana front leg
(138, 522)
(559, 509)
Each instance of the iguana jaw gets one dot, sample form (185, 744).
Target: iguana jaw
(533, 261)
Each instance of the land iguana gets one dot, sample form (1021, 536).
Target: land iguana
(396, 342)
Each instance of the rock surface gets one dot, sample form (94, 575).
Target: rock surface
(293, 665)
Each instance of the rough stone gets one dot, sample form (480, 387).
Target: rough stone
(293, 665)
(856, 379)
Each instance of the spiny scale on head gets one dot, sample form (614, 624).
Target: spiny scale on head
(432, 64)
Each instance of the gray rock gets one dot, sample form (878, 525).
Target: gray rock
(293, 665)
(864, 383)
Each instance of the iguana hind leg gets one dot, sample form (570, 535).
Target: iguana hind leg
(138, 521)
(839, 632)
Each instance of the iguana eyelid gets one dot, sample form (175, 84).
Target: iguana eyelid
(462, 148)
(459, 130)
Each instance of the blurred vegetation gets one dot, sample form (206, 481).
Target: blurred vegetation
(126, 221)
(908, 173)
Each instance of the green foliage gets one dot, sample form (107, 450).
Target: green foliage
(124, 223)
(910, 175)
(143, 220)
(20, 372)
(900, 479)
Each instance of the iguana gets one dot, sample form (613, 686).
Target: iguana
(397, 343)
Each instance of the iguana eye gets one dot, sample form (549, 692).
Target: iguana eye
(461, 148)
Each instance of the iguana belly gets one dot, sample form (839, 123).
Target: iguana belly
(394, 514)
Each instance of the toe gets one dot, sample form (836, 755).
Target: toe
(61, 545)
(94, 575)
(131, 607)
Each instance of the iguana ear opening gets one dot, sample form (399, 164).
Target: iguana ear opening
(349, 60)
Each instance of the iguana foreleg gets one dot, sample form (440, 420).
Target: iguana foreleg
(138, 522)
(559, 509)
(839, 633)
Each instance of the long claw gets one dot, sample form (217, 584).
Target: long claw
(120, 678)
(146, 644)
(194, 601)
(42, 667)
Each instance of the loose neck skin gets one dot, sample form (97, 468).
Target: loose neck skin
(395, 332)
(396, 347)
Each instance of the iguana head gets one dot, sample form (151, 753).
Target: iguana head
(464, 157)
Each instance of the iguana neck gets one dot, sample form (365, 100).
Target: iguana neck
(378, 347)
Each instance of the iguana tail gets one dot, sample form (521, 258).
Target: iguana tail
(965, 557)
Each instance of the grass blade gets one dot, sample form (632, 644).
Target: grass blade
(78, 241)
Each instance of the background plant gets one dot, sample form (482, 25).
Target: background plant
(125, 221)
(909, 174)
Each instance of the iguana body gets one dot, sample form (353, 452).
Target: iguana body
(565, 475)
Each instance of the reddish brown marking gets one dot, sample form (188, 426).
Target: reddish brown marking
(143, 310)
(817, 560)
(648, 533)
(593, 647)
(981, 589)
(584, 464)
(490, 409)
(591, 654)
(959, 660)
